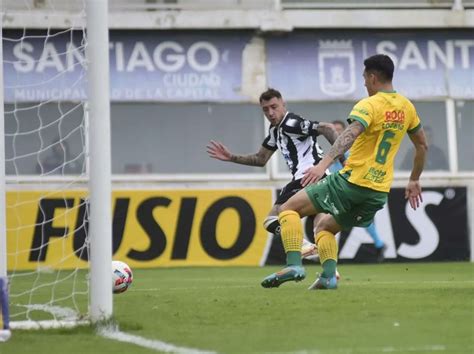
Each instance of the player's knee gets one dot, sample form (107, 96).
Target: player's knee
(320, 227)
(284, 207)
(326, 224)
(316, 221)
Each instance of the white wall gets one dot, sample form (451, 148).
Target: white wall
(266, 15)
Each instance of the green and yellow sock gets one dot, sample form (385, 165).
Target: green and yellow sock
(327, 249)
(292, 236)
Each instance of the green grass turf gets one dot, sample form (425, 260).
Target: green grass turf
(388, 308)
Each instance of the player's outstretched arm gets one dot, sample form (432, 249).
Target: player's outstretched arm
(337, 150)
(413, 189)
(258, 159)
(219, 151)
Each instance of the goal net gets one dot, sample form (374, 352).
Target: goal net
(46, 162)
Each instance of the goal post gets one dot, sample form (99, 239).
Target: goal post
(56, 221)
(100, 160)
(3, 228)
(4, 310)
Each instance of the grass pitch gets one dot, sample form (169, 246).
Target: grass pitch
(388, 308)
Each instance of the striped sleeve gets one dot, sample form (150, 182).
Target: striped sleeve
(270, 141)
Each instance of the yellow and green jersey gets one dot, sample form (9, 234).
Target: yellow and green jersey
(386, 116)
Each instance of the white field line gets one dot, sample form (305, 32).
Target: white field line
(115, 334)
(64, 317)
(46, 324)
(69, 320)
(343, 284)
(387, 349)
(424, 348)
(409, 282)
(196, 288)
(63, 313)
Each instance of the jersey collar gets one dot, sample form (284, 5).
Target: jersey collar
(284, 118)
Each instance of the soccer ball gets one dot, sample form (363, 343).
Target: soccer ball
(122, 277)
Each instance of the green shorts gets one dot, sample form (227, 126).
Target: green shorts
(351, 205)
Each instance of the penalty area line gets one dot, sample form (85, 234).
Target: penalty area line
(342, 281)
(376, 350)
(195, 288)
(154, 344)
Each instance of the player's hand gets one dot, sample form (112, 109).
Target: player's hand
(216, 150)
(413, 194)
(312, 175)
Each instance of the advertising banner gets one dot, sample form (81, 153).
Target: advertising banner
(328, 65)
(437, 231)
(150, 229)
(196, 66)
(219, 228)
(144, 65)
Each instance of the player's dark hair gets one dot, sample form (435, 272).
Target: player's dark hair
(340, 122)
(381, 65)
(269, 94)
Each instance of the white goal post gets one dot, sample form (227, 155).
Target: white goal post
(97, 158)
(100, 160)
(4, 328)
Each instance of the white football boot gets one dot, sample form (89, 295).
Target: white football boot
(309, 250)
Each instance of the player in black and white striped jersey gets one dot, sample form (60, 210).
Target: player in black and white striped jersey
(296, 138)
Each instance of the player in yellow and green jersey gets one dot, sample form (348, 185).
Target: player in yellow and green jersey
(353, 196)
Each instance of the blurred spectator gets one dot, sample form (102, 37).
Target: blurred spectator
(435, 159)
(57, 160)
(133, 168)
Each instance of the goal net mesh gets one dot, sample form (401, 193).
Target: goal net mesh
(46, 162)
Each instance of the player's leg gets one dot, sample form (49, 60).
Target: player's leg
(292, 237)
(325, 238)
(315, 257)
(309, 250)
(271, 223)
(291, 212)
(379, 244)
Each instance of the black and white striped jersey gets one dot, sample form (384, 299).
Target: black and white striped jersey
(296, 139)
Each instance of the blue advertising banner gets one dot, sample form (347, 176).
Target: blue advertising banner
(207, 65)
(144, 65)
(328, 65)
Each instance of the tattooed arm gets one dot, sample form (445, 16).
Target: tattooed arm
(258, 159)
(327, 130)
(219, 151)
(340, 146)
(344, 142)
